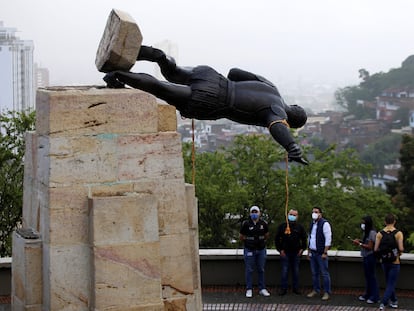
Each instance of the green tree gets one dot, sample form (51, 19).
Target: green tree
(402, 190)
(382, 152)
(251, 172)
(371, 86)
(13, 125)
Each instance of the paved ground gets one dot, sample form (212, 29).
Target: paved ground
(233, 298)
(222, 298)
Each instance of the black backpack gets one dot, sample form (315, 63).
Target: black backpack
(388, 248)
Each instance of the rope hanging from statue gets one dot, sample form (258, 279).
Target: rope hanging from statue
(287, 230)
(193, 151)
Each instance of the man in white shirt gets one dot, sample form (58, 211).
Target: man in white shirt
(320, 239)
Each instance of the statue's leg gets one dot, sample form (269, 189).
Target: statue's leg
(169, 68)
(171, 93)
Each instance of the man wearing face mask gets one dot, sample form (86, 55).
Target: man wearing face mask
(290, 242)
(254, 233)
(320, 238)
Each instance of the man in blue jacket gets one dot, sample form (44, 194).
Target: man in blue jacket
(320, 239)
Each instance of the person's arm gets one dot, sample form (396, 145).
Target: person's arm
(399, 238)
(378, 238)
(328, 237)
(236, 74)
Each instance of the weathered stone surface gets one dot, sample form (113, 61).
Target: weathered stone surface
(90, 111)
(66, 275)
(136, 248)
(126, 275)
(167, 118)
(124, 219)
(153, 156)
(120, 43)
(30, 195)
(26, 271)
(176, 263)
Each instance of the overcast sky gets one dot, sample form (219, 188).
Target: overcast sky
(323, 41)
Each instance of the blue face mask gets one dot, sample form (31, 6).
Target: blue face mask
(254, 216)
(292, 217)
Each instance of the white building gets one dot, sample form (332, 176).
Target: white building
(17, 89)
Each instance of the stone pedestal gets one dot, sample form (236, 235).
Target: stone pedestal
(104, 187)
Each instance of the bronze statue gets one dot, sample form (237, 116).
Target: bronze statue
(202, 93)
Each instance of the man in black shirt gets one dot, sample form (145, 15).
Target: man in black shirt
(254, 233)
(290, 242)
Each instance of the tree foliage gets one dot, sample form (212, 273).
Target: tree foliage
(13, 125)
(402, 190)
(371, 86)
(252, 172)
(382, 152)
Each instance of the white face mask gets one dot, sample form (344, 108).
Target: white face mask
(315, 216)
(363, 227)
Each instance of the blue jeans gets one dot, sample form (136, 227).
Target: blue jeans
(371, 284)
(255, 260)
(319, 266)
(391, 272)
(290, 260)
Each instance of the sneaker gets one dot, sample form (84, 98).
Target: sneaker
(369, 301)
(282, 292)
(312, 294)
(394, 304)
(382, 307)
(361, 298)
(249, 293)
(325, 296)
(264, 292)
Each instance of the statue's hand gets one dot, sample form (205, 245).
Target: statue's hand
(295, 154)
(112, 81)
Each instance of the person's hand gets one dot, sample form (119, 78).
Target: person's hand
(112, 82)
(295, 154)
(356, 242)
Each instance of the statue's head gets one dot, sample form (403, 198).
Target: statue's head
(296, 116)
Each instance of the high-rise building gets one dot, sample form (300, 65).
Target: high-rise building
(41, 76)
(17, 84)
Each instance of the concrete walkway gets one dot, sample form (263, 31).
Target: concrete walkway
(233, 298)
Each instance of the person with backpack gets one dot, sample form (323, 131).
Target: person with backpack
(389, 246)
(366, 244)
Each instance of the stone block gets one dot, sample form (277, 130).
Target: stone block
(30, 206)
(26, 271)
(67, 277)
(120, 43)
(85, 110)
(176, 263)
(126, 275)
(155, 156)
(85, 159)
(124, 219)
(191, 203)
(167, 118)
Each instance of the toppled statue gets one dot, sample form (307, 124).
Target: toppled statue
(202, 93)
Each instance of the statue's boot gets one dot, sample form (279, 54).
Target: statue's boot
(150, 54)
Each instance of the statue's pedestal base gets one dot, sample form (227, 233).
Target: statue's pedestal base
(104, 187)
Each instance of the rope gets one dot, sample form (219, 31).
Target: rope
(193, 151)
(283, 121)
(287, 230)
